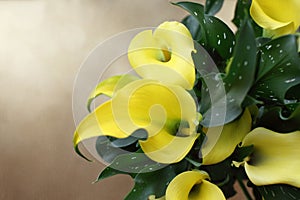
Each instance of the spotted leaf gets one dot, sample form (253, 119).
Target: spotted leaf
(279, 69)
(279, 192)
(155, 182)
(230, 91)
(281, 120)
(215, 35)
(242, 12)
(213, 6)
(130, 163)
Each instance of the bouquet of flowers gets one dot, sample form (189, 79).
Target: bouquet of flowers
(205, 107)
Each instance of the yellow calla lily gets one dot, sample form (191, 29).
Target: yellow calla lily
(192, 185)
(277, 17)
(164, 55)
(167, 112)
(275, 159)
(222, 140)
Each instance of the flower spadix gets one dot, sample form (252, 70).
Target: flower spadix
(167, 112)
(164, 54)
(222, 140)
(193, 185)
(275, 159)
(277, 17)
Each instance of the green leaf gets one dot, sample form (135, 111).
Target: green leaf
(193, 162)
(242, 152)
(249, 101)
(215, 35)
(130, 163)
(243, 66)
(260, 41)
(218, 172)
(193, 25)
(279, 192)
(204, 63)
(154, 183)
(242, 12)
(242, 7)
(109, 172)
(135, 163)
(275, 118)
(237, 82)
(213, 6)
(140, 134)
(106, 151)
(279, 69)
(212, 89)
(108, 148)
(293, 93)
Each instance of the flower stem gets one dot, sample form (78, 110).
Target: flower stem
(243, 187)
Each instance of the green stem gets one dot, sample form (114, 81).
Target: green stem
(243, 187)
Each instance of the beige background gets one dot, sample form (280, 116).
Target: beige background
(42, 45)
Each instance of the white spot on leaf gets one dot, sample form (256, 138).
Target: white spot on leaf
(290, 80)
(268, 47)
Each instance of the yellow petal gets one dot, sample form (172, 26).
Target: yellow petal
(277, 16)
(164, 55)
(109, 86)
(166, 148)
(192, 185)
(275, 159)
(101, 122)
(222, 140)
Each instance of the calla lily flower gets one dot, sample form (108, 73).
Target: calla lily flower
(167, 112)
(222, 140)
(277, 17)
(275, 159)
(193, 185)
(164, 55)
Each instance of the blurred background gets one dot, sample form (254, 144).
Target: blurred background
(42, 46)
